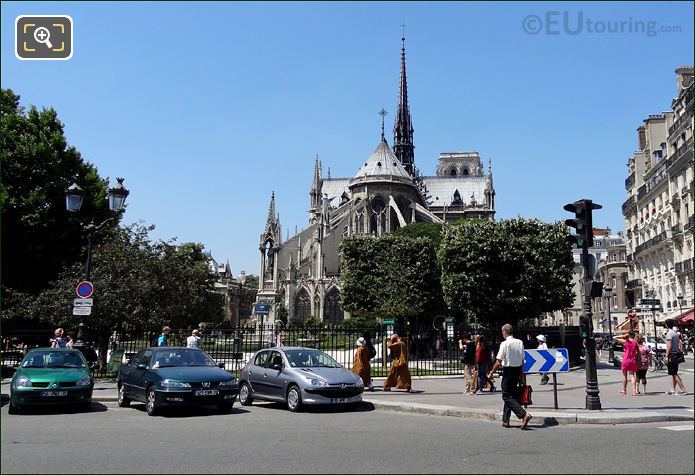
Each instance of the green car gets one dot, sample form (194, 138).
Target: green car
(51, 376)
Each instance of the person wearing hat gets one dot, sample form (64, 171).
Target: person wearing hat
(399, 375)
(361, 365)
(193, 341)
(542, 346)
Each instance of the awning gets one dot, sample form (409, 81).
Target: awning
(626, 327)
(685, 319)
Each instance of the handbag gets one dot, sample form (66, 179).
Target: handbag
(525, 394)
(678, 357)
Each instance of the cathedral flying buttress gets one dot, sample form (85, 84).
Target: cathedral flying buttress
(387, 192)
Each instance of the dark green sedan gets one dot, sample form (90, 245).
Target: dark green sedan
(170, 377)
(51, 376)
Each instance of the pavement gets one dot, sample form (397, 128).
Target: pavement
(444, 397)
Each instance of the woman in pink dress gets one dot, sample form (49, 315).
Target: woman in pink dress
(629, 365)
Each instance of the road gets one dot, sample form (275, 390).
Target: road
(267, 438)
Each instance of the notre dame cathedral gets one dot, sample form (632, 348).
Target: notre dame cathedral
(387, 192)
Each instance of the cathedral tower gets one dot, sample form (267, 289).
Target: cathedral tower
(403, 146)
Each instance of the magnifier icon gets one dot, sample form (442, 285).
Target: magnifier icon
(42, 35)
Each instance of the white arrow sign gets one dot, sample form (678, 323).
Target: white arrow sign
(554, 360)
(82, 310)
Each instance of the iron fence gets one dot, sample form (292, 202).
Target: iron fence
(431, 352)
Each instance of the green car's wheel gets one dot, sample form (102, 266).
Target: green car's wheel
(151, 404)
(12, 409)
(123, 401)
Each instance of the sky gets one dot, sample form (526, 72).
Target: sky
(206, 108)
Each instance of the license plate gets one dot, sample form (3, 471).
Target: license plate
(339, 400)
(206, 392)
(54, 393)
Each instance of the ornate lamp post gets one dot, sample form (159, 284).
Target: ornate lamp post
(679, 297)
(608, 291)
(74, 197)
(241, 280)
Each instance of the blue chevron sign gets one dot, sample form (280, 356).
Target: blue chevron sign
(554, 360)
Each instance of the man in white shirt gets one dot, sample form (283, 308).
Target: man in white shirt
(511, 357)
(193, 341)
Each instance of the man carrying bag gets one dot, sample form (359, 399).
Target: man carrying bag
(511, 357)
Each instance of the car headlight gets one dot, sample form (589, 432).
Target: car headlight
(231, 382)
(22, 382)
(318, 382)
(84, 380)
(167, 383)
(359, 381)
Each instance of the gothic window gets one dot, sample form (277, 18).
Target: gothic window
(332, 313)
(302, 305)
(465, 172)
(452, 172)
(457, 201)
(377, 222)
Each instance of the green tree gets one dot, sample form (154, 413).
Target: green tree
(38, 240)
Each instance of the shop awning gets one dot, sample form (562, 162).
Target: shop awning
(686, 318)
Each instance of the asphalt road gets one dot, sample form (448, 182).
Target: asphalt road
(267, 438)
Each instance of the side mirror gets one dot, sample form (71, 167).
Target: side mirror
(276, 366)
(141, 366)
(220, 365)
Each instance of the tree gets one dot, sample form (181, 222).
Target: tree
(251, 281)
(390, 276)
(505, 271)
(37, 166)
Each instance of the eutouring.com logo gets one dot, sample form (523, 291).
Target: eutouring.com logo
(555, 22)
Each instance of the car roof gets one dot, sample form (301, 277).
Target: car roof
(52, 349)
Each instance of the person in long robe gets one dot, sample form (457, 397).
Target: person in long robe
(361, 365)
(399, 375)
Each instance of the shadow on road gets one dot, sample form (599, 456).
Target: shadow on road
(192, 411)
(58, 409)
(364, 406)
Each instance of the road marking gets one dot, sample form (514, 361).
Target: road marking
(679, 428)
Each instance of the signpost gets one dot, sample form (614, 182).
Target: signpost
(262, 309)
(82, 310)
(653, 305)
(553, 360)
(84, 289)
(83, 302)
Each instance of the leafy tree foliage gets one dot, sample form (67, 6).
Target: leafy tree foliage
(37, 166)
(506, 271)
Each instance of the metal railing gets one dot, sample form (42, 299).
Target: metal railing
(430, 352)
(650, 243)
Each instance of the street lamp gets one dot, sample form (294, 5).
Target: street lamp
(74, 198)
(241, 280)
(608, 291)
(679, 297)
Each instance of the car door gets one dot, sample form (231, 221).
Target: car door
(257, 376)
(126, 371)
(140, 375)
(274, 376)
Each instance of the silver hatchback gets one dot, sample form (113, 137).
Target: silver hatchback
(298, 376)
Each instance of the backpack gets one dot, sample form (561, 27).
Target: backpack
(371, 351)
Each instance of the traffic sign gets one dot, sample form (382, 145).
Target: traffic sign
(650, 302)
(83, 302)
(262, 308)
(84, 289)
(554, 360)
(81, 310)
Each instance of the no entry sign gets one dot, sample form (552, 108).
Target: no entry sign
(84, 289)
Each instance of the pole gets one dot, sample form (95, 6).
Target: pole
(555, 389)
(611, 354)
(593, 401)
(88, 266)
(656, 341)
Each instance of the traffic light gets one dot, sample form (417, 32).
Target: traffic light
(582, 222)
(584, 327)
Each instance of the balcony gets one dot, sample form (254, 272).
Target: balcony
(633, 284)
(689, 226)
(630, 181)
(684, 266)
(683, 119)
(629, 257)
(629, 202)
(676, 229)
(662, 236)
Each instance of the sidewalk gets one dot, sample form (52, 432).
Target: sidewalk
(444, 397)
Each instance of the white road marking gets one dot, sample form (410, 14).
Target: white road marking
(679, 428)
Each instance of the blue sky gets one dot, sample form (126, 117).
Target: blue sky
(205, 108)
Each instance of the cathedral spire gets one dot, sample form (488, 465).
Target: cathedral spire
(315, 193)
(403, 128)
(271, 210)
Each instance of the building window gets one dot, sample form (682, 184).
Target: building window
(332, 313)
(302, 305)
(452, 172)
(465, 172)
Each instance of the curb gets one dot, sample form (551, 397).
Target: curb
(544, 418)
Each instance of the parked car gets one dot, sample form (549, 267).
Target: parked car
(170, 377)
(51, 376)
(660, 343)
(298, 376)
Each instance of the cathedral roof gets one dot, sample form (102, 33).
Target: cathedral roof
(382, 162)
(441, 189)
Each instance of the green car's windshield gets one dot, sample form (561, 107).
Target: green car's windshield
(310, 359)
(180, 357)
(54, 359)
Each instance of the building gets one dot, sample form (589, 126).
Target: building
(238, 297)
(387, 192)
(611, 308)
(659, 206)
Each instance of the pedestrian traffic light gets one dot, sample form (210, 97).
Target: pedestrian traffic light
(584, 326)
(582, 222)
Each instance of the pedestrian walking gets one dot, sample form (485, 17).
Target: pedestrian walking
(674, 357)
(70, 340)
(629, 364)
(59, 340)
(399, 375)
(193, 341)
(644, 361)
(163, 339)
(511, 357)
(542, 345)
(482, 361)
(271, 337)
(361, 366)
(468, 360)
(114, 340)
